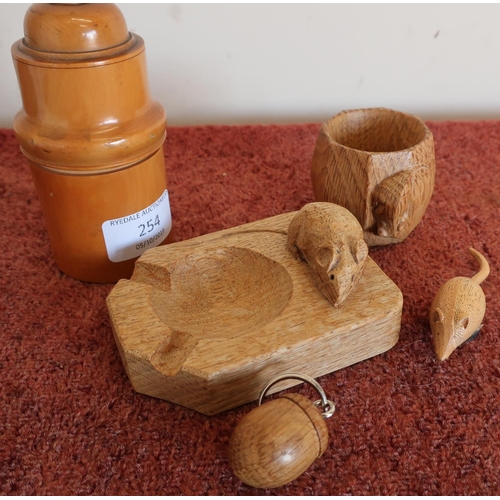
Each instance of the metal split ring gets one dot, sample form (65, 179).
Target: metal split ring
(327, 406)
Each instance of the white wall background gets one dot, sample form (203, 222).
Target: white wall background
(284, 63)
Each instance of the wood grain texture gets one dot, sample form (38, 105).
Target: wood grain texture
(277, 441)
(89, 128)
(458, 309)
(206, 322)
(380, 165)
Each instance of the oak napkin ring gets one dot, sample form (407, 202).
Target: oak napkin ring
(277, 441)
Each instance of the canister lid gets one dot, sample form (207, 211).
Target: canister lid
(74, 28)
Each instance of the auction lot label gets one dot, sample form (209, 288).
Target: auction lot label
(129, 236)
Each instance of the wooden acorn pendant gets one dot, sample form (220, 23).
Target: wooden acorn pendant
(276, 442)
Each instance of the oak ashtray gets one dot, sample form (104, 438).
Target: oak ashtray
(205, 323)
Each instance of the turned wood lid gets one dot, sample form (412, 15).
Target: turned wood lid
(76, 34)
(68, 28)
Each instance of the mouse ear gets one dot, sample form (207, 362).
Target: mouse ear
(437, 316)
(463, 323)
(361, 251)
(459, 333)
(328, 257)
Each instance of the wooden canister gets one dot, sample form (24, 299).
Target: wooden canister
(93, 137)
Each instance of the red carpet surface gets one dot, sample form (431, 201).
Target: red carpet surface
(406, 423)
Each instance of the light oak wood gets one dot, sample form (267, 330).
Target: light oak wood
(277, 441)
(89, 128)
(205, 323)
(329, 238)
(380, 165)
(458, 309)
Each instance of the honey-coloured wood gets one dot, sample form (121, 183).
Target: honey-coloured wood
(52, 28)
(277, 441)
(380, 165)
(206, 322)
(458, 309)
(330, 239)
(90, 130)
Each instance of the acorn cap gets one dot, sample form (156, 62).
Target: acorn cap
(74, 28)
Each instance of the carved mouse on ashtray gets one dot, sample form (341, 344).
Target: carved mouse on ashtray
(330, 239)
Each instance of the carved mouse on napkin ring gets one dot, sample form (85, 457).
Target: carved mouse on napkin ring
(330, 239)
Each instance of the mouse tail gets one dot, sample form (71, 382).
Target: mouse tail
(484, 267)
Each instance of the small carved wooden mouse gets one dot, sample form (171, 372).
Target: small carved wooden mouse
(400, 201)
(458, 309)
(330, 239)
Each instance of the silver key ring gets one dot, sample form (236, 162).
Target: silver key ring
(327, 405)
